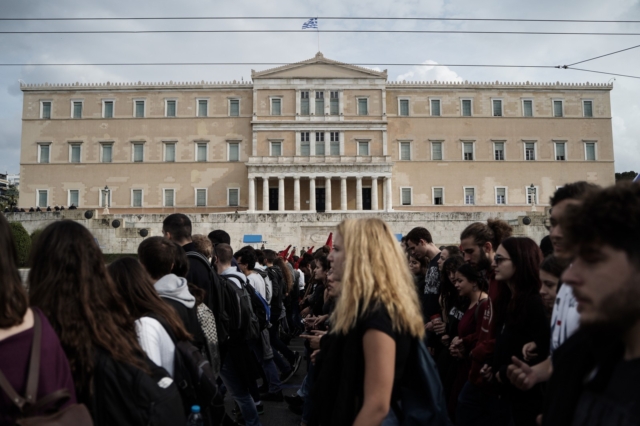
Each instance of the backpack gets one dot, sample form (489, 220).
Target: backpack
(244, 322)
(260, 307)
(277, 281)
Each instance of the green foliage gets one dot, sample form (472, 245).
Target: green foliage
(22, 241)
(34, 236)
(111, 257)
(9, 198)
(625, 176)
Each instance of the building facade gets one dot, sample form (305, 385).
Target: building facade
(314, 136)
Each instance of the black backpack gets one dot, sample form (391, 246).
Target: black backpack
(260, 306)
(126, 395)
(244, 322)
(277, 294)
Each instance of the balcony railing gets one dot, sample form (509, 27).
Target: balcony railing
(322, 159)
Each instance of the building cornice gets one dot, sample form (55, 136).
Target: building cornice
(125, 86)
(462, 85)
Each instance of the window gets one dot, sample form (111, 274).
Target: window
(501, 195)
(406, 196)
(43, 153)
(234, 107)
(435, 107)
(305, 145)
(138, 152)
(45, 110)
(74, 198)
(107, 152)
(498, 151)
(587, 108)
(276, 106)
(234, 197)
(105, 198)
(170, 108)
(532, 195)
(169, 152)
(203, 107)
(466, 107)
(560, 148)
(136, 198)
(76, 109)
(405, 151)
(334, 144)
(74, 152)
(43, 198)
(168, 199)
(527, 108)
(438, 196)
(404, 107)
(107, 109)
(234, 151)
(319, 103)
(470, 196)
(319, 143)
(497, 107)
(276, 149)
(334, 103)
(304, 103)
(436, 151)
(557, 108)
(201, 151)
(363, 107)
(138, 109)
(201, 197)
(529, 151)
(467, 148)
(363, 148)
(590, 151)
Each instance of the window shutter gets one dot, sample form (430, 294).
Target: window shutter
(404, 107)
(171, 108)
(201, 197)
(466, 108)
(588, 108)
(406, 196)
(405, 151)
(234, 108)
(168, 197)
(528, 108)
(233, 197)
(107, 153)
(74, 197)
(139, 109)
(46, 110)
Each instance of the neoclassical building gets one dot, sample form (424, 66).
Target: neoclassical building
(315, 136)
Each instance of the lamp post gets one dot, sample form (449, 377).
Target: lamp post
(107, 199)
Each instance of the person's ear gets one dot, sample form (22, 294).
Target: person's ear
(488, 247)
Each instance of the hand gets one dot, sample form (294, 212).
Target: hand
(487, 373)
(314, 340)
(521, 375)
(428, 326)
(529, 351)
(320, 320)
(308, 323)
(445, 339)
(314, 356)
(440, 327)
(306, 311)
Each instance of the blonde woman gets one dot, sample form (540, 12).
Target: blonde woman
(375, 326)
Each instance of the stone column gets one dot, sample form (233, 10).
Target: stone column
(265, 193)
(312, 194)
(296, 193)
(281, 193)
(327, 194)
(343, 193)
(252, 194)
(359, 193)
(374, 193)
(389, 196)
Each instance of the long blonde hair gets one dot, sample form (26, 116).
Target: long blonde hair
(375, 274)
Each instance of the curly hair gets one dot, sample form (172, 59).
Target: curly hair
(573, 191)
(494, 232)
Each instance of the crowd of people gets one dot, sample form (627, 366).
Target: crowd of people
(488, 331)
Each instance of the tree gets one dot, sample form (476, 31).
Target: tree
(10, 198)
(22, 241)
(625, 176)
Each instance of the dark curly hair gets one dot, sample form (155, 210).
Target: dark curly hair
(572, 191)
(449, 294)
(494, 232)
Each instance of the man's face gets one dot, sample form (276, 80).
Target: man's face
(418, 251)
(607, 287)
(474, 254)
(555, 230)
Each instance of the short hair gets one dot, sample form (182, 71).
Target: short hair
(453, 250)
(246, 256)
(224, 252)
(219, 236)
(180, 262)
(494, 231)
(202, 245)
(553, 265)
(178, 225)
(572, 191)
(270, 255)
(158, 255)
(546, 246)
(260, 256)
(419, 233)
(306, 260)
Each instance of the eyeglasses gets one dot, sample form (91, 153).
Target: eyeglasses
(500, 259)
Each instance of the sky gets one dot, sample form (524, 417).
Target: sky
(375, 48)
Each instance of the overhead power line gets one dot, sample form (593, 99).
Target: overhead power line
(606, 73)
(266, 64)
(602, 56)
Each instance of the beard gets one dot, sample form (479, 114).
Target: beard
(484, 264)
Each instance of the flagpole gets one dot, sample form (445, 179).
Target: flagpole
(318, 31)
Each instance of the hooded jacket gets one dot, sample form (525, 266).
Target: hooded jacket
(175, 291)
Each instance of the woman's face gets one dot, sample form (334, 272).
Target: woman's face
(337, 257)
(333, 286)
(503, 265)
(452, 276)
(462, 284)
(549, 288)
(414, 266)
(444, 255)
(319, 273)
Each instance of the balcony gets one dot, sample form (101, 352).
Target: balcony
(320, 159)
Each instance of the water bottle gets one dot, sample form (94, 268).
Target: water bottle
(195, 418)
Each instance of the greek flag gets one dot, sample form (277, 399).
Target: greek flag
(311, 23)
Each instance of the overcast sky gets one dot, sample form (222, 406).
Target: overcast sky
(353, 48)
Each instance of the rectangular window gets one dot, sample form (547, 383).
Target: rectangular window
(201, 197)
(108, 109)
(406, 196)
(527, 108)
(74, 154)
(532, 195)
(138, 153)
(436, 151)
(276, 149)
(560, 151)
(168, 197)
(43, 198)
(105, 198)
(304, 103)
(234, 107)
(46, 110)
(74, 197)
(203, 107)
(587, 108)
(405, 151)
(404, 107)
(77, 109)
(334, 103)
(438, 196)
(171, 108)
(201, 152)
(501, 195)
(497, 107)
(276, 107)
(468, 151)
(363, 106)
(44, 153)
(234, 152)
(334, 144)
(469, 196)
(305, 145)
(136, 198)
(363, 148)
(530, 151)
(498, 151)
(466, 107)
(169, 152)
(590, 151)
(319, 143)
(107, 152)
(435, 107)
(234, 197)
(557, 109)
(319, 103)
(139, 113)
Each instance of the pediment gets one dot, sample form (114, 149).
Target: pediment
(318, 67)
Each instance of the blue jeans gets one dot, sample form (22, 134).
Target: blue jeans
(307, 384)
(268, 366)
(240, 392)
(477, 407)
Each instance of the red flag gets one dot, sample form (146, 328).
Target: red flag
(329, 240)
(310, 251)
(293, 253)
(285, 253)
